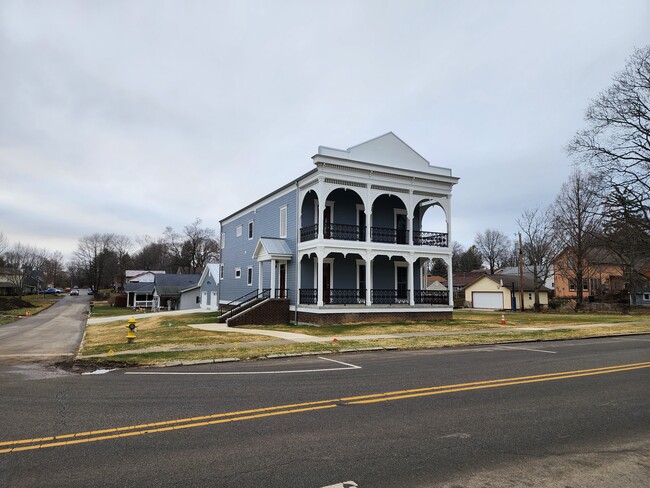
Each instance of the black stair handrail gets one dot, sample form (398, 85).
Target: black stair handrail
(244, 301)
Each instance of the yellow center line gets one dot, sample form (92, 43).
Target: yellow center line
(258, 413)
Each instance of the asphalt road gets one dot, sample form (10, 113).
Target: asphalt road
(568, 413)
(52, 335)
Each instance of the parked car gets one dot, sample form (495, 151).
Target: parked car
(90, 291)
(74, 293)
(49, 291)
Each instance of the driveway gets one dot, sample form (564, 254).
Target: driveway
(50, 336)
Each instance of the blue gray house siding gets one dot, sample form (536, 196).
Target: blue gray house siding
(238, 251)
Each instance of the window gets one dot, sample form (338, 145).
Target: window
(646, 296)
(221, 271)
(585, 285)
(198, 299)
(250, 230)
(239, 231)
(249, 276)
(237, 273)
(572, 285)
(283, 222)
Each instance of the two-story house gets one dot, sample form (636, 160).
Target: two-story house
(347, 241)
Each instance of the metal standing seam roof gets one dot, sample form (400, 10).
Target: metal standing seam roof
(273, 247)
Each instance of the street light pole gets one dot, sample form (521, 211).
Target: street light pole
(521, 273)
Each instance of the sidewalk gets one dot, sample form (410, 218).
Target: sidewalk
(291, 337)
(114, 318)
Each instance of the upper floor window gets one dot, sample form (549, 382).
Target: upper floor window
(250, 229)
(283, 222)
(237, 273)
(239, 231)
(221, 271)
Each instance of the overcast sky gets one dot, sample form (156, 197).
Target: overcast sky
(127, 117)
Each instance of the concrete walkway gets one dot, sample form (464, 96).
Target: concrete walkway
(138, 316)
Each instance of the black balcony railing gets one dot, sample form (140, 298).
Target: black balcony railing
(422, 238)
(344, 232)
(383, 234)
(308, 296)
(309, 233)
(390, 297)
(340, 296)
(433, 297)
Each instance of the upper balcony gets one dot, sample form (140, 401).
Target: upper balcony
(344, 216)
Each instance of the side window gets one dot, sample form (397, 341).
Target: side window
(239, 231)
(221, 271)
(237, 273)
(249, 276)
(250, 230)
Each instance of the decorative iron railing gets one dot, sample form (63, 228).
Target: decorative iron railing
(390, 297)
(308, 296)
(341, 296)
(344, 232)
(309, 233)
(433, 297)
(422, 238)
(383, 234)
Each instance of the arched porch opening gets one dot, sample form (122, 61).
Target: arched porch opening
(344, 216)
(430, 226)
(389, 220)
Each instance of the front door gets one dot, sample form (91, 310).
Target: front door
(402, 284)
(400, 226)
(327, 268)
(282, 271)
(327, 222)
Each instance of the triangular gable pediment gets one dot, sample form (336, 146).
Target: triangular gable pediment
(387, 150)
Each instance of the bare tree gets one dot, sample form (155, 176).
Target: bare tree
(616, 145)
(3, 245)
(53, 268)
(193, 249)
(93, 256)
(122, 246)
(494, 247)
(539, 246)
(576, 221)
(26, 263)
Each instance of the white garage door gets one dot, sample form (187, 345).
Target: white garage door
(487, 299)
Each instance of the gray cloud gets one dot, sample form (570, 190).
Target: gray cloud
(127, 117)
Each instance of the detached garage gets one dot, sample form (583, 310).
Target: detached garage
(495, 293)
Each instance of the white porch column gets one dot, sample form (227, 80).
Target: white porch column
(450, 282)
(321, 209)
(409, 217)
(319, 257)
(410, 282)
(273, 272)
(369, 261)
(260, 276)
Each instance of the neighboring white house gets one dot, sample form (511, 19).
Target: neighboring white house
(205, 293)
(141, 276)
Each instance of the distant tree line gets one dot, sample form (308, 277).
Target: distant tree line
(101, 259)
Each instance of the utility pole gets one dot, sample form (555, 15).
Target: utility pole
(521, 273)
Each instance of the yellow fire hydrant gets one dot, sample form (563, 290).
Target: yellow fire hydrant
(130, 335)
